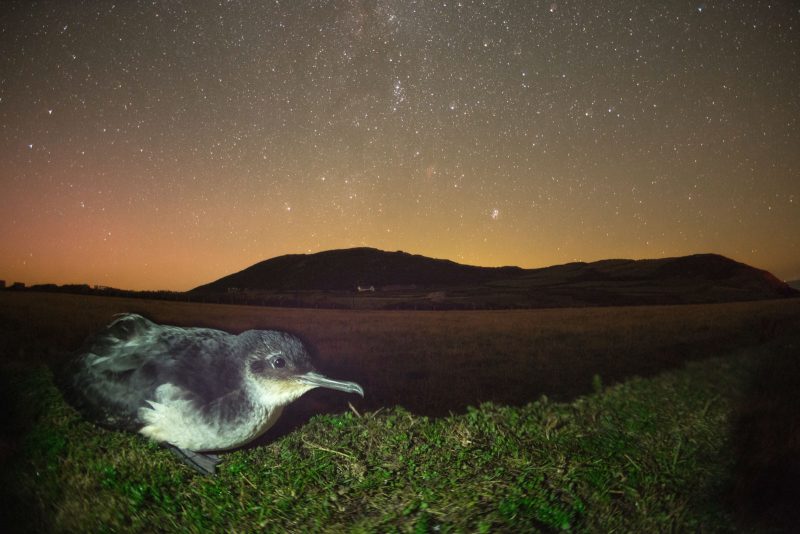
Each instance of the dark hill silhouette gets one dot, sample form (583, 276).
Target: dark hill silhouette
(404, 280)
(346, 269)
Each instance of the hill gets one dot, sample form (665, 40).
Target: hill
(347, 269)
(402, 280)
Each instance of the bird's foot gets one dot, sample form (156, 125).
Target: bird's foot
(203, 463)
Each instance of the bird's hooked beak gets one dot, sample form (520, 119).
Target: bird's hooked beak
(319, 381)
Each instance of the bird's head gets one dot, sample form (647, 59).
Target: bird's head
(279, 365)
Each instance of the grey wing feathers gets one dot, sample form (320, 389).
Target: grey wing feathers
(119, 369)
(122, 346)
(115, 372)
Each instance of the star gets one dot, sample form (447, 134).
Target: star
(581, 120)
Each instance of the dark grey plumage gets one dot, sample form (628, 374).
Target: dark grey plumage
(197, 389)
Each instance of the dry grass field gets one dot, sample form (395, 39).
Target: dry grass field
(435, 364)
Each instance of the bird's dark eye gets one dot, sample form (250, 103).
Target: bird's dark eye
(277, 363)
(258, 366)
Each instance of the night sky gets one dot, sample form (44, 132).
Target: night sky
(162, 145)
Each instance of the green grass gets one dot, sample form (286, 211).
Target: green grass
(646, 455)
(680, 450)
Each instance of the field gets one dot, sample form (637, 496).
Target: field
(632, 418)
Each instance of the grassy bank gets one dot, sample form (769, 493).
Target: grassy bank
(680, 450)
(647, 455)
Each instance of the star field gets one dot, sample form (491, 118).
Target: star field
(161, 145)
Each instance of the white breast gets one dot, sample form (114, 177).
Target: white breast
(173, 419)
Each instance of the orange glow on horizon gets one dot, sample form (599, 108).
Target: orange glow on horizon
(168, 163)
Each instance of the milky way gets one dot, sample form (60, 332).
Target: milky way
(151, 145)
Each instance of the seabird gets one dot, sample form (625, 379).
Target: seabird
(195, 390)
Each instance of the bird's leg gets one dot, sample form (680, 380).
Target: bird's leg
(203, 463)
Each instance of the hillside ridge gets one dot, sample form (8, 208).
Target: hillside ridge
(411, 280)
